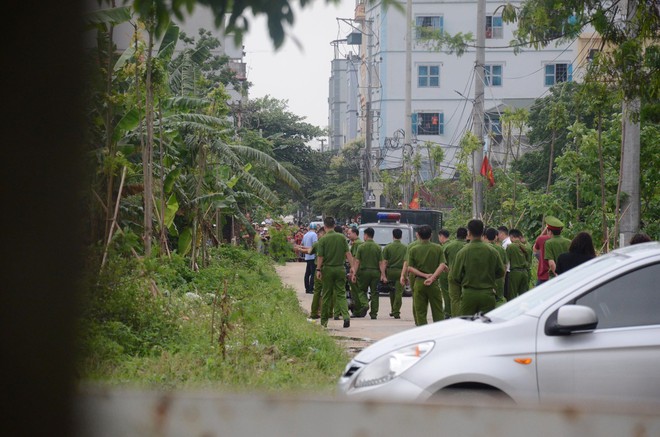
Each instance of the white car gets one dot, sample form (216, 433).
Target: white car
(591, 333)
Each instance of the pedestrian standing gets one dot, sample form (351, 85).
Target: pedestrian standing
(394, 255)
(505, 240)
(443, 238)
(476, 269)
(331, 253)
(308, 240)
(426, 260)
(360, 303)
(369, 269)
(556, 245)
(580, 251)
(543, 269)
(519, 258)
(491, 236)
(450, 251)
(407, 278)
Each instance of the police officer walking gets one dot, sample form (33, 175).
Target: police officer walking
(332, 249)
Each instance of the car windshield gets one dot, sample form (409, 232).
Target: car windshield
(554, 288)
(383, 235)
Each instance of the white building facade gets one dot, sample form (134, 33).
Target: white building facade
(442, 90)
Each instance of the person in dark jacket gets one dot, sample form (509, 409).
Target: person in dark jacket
(581, 250)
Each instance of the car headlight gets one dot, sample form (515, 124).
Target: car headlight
(392, 364)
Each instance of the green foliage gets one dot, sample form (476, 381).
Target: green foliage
(279, 247)
(158, 325)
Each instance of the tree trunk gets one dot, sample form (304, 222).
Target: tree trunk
(163, 204)
(109, 144)
(147, 154)
(552, 153)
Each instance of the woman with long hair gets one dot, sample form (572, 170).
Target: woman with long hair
(581, 250)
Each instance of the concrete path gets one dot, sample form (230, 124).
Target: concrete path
(363, 331)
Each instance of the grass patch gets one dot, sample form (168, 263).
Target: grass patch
(229, 326)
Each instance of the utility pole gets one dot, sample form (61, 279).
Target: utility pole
(478, 112)
(322, 141)
(630, 152)
(369, 127)
(408, 103)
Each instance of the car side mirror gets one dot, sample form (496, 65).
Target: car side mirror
(571, 318)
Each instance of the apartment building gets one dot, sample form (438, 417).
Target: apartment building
(442, 90)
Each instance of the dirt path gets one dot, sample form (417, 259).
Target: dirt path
(363, 331)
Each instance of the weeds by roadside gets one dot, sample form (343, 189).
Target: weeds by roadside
(173, 335)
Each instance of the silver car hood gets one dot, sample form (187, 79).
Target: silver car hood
(434, 331)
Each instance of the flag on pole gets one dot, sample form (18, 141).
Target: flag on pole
(414, 203)
(487, 171)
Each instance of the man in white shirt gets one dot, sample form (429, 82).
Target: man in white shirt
(503, 236)
(308, 241)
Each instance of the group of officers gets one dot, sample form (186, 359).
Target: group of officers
(453, 278)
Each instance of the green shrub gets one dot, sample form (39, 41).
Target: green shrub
(134, 332)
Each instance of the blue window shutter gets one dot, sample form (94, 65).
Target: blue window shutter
(414, 123)
(570, 73)
(441, 123)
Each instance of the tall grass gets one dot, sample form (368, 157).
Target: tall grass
(229, 326)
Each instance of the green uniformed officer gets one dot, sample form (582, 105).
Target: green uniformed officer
(360, 303)
(368, 268)
(519, 257)
(331, 251)
(443, 237)
(450, 251)
(491, 236)
(394, 255)
(426, 260)
(408, 278)
(556, 245)
(476, 268)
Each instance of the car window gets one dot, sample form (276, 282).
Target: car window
(629, 300)
(556, 287)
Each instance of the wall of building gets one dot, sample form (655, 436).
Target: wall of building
(522, 75)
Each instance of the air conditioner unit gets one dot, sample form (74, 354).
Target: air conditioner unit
(354, 38)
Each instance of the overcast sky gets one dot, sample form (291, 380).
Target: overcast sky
(298, 74)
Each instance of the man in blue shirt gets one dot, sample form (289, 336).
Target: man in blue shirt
(308, 241)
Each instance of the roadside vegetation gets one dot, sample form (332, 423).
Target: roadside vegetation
(231, 326)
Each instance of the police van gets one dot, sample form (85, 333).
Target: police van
(383, 227)
(385, 224)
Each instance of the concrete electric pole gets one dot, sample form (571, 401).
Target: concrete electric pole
(630, 208)
(407, 128)
(478, 112)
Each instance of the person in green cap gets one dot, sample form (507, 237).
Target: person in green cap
(331, 251)
(368, 269)
(450, 250)
(426, 261)
(491, 236)
(394, 255)
(360, 303)
(556, 245)
(519, 256)
(476, 268)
